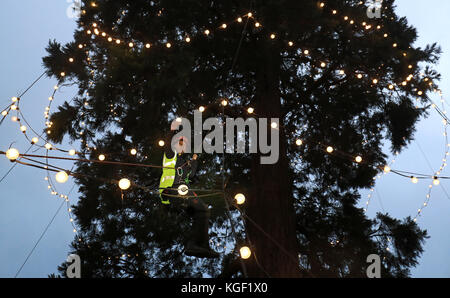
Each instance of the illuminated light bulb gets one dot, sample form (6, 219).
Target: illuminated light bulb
(4, 113)
(352, 22)
(334, 11)
(306, 52)
(101, 157)
(330, 149)
(14, 99)
(179, 120)
(249, 14)
(62, 177)
(63, 74)
(364, 23)
(13, 107)
(358, 159)
(94, 25)
(342, 72)
(89, 32)
(359, 76)
(274, 125)
(103, 34)
(124, 184)
(148, 46)
(207, 32)
(23, 128)
(420, 92)
(48, 146)
(183, 190)
(394, 45)
(34, 140)
(346, 18)
(161, 143)
(436, 181)
(110, 39)
(414, 180)
(201, 109)
(224, 102)
(168, 45)
(404, 83)
(188, 39)
(245, 252)
(299, 142)
(257, 24)
(133, 151)
(375, 81)
(12, 154)
(385, 35)
(322, 5)
(250, 110)
(410, 66)
(224, 26)
(131, 44)
(323, 64)
(391, 86)
(240, 199)
(71, 60)
(14, 119)
(387, 169)
(56, 87)
(239, 20)
(118, 41)
(272, 36)
(72, 152)
(290, 43)
(378, 27)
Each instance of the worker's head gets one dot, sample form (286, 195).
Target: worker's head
(180, 144)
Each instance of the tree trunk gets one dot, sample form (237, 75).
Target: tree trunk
(270, 205)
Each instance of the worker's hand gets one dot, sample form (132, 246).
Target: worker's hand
(175, 125)
(194, 157)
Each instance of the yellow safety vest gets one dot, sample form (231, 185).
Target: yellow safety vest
(168, 175)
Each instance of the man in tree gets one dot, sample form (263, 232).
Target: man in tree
(174, 183)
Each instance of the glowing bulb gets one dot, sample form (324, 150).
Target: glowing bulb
(342, 72)
(274, 125)
(245, 252)
(299, 142)
(249, 14)
(375, 81)
(257, 24)
(12, 154)
(148, 46)
(48, 146)
(118, 41)
(224, 26)
(224, 102)
(23, 128)
(358, 159)
(102, 157)
(207, 32)
(306, 52)
(436, 181)
(183, 190)
(188, 39)
(391, 86)
(330, 149)
(62, 177)
(161, 143)
(239, 20)
(133, 151)
(290, 43)
(13, 107)
(179, 120)
(272, 36)
(14, 99)
(72, 152)
(240, 199)
(414, 180)
(34, 140)
(387, 169)
(124, 184)
(250, 110)
(323, 64)
(131, 44)
(201, 109)
(394, 45)
(4, 113)
(14, 119)
(63, 74)
(168, 45)
(71, 60)
(359, 76)
(420, 92)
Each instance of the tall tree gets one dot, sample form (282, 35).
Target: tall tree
(334, 78)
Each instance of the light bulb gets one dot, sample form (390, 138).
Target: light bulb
(257, 24)
(183, 190)
(71, 60)
(131, 44)
(13, 107)
(207, 32)
(323, 64)
(306, 52)
(250, 110)
(239, 20)
(274, 125)
(330, 149)
(436, 181)
(4, 113)
(272, 36)
(224, 26)
(34, 140)
(14, 99)
(48, 146)
(224, 102)
(23, 128)
(245, 252)
(161, 143)
(201, 109)
(375, 81)
(72, 152)
(14, 119)
(101, 157)
(12, 154)
(387, 169)
(148, 46)
(299, 142)
(414, 180)
(133, 151)
(124, 184)
(240, 199)
(168, 45)
(358, 159)
(62, 177)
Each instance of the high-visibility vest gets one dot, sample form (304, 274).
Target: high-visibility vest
(168, 175)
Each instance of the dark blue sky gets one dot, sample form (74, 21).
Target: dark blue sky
(26, 205)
